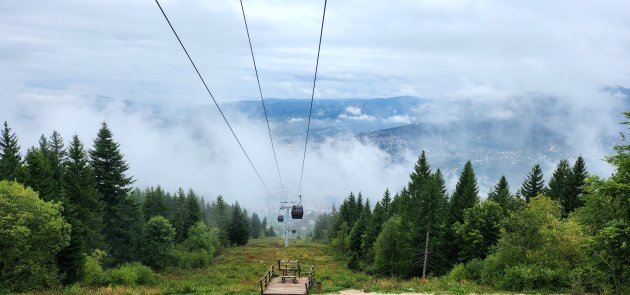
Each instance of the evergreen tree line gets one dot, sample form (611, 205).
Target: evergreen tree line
(572, 233)
(102, 220)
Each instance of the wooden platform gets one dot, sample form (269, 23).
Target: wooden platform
(277, 287)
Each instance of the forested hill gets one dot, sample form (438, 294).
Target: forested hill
(568, 232)
(70, 215)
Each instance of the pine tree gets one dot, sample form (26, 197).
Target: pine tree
(500, 194)
(420, 175)
(155, 203)
(239, 229)
(358, 230)
(40, 175)
(533, 185)
(358, 210)
(71, 259)
(351, 214)
(10, 158)
(414, 209)
(113, 184)
(221, 219)
(193, 211)
(179, 214)
(560, 184)
(576, 187)
(271, 232)
(131, 223)
(391, 249)
(379, 216)
(465, 195)
(57, 154)
(256, 226)
(80, 190)
(386, 203)
(480, 230)
(356, 234)
(320, 229)
(434, 208)
(263, 227)
(418, 190)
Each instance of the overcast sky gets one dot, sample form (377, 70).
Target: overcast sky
(56, 57)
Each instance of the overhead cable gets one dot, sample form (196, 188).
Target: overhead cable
(213, 99)
(273, 147)
(310, 112)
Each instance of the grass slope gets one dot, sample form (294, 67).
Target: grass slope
(238, 271)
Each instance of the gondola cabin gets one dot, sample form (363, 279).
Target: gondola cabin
(297, 212)
(280, 218)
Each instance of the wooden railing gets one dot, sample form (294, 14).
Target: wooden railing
(264, 282)
(311, 279)
(289, 269)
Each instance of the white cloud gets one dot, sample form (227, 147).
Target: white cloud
(399, 119)
(355, 113)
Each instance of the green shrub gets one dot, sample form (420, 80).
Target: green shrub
(532, 277)
(121, 276)
(537, 251)
(193, 259)
(493, 270)
(131, 275)
(145, 276)
(177, 287)
(93, 274)
(458, 273)
(158, 243)
(74, 290)
(474, 269)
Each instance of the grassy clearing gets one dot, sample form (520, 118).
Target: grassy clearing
(238, 271)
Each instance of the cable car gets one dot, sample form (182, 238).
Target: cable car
(293, 231)
(280, 218)
(297, 212)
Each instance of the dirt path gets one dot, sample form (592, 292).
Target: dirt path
(359, 292)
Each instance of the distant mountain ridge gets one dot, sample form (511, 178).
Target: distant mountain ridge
(508, 142)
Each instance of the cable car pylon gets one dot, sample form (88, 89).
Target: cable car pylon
(293, 210)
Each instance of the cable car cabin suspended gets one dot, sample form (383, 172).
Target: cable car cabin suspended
(293, 231)
(280, 218)
(297, 212)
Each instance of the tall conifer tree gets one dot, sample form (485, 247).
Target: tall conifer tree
(193, 211)
(500, 194)
(10, 158)
(414, 208)
(560, 184)
(263, 227)
(256, 226)
(57, 155)
(239, 228)
(81, 191)
(113, 184)
(435, 209)
(155, 203)
(386, 203)
(577, 181)
(533, 185)
(40, 175)
(466, 194)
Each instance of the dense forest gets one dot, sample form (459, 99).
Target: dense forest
(71, 215)
(571, 234)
